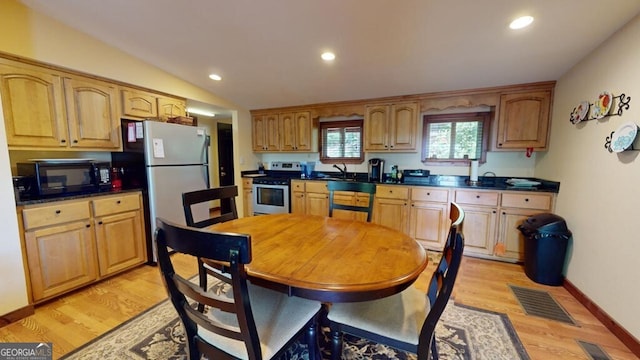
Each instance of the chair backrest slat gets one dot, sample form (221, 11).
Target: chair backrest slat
(223, 193)
(358, 187)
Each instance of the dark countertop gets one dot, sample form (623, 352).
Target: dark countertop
(451, 181)
(73, 197)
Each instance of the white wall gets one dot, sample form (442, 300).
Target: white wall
(599, 194)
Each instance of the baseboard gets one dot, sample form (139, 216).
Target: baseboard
(16, 315)
(621, 333)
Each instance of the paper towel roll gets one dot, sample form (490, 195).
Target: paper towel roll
(474, 171)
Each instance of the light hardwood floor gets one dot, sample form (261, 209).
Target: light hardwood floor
(72, 320)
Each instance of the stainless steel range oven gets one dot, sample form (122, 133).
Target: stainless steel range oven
(271, 192)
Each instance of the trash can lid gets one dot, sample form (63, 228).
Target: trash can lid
(546, 223)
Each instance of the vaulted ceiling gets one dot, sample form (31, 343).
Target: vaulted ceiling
(268, 52)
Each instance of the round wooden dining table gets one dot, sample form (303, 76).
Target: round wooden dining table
(328, 259)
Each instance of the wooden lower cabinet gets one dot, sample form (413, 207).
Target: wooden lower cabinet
(479, 229)
(247, 196)
(119, 241)
(73, 243)
(391, 207)
(61, 258)
(429, 223)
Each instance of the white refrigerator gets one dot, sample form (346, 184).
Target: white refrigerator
(176, 161)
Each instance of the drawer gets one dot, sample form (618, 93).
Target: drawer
(55, 214)
(297, 185)
(429, 194)
(247, 183)
(392, 192)
(486, 198)
(115, 204)
(527, 201)
(316, 187)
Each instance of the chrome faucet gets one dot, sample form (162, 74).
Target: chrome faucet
(343, 172)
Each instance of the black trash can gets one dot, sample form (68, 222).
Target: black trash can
(545, 248)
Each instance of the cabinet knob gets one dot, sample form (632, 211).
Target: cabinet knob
(118, 202)
(477, 196)
(499, 144)
(494, 211)
(63, 141)
(526, 199)
(75, 141)
(88, 225)
(58, 211)
(428, 194)
(99, 222)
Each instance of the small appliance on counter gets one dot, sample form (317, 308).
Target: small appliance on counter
(47, 178)
(416, 176)
(376, 170)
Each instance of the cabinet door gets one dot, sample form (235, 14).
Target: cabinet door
(258, 131)
(508, 232)
(120, 241)
(169, 107)
(33, 107)
(524, 120)
(376, 121)
(248, 202)
(303, 131)
(403, 126)
(317, 204)
(92, 113)
(60, 258)
(272, 132)
(428, 223)
(139, 104)
(479, 229)
(287, 132)
(298, 203)
(391, 213)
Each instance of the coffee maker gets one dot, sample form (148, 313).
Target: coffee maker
(376, 170)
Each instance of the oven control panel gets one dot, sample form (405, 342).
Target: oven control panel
(286, 166)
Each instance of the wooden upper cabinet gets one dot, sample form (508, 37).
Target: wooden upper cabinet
(391, 127)
(265, 132)
(33, 106)
(92, 113)
(171, 107)
(139, 104)
(523, 120)
(295, 131)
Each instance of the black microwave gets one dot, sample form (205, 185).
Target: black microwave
(60, 177)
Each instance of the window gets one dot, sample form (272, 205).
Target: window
(341, 142)
(455, 138)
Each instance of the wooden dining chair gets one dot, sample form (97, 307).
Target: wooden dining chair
(201, 198)
(246, 321)
(358, 187)
(411, 327)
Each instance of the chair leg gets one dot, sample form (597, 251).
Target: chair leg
(336, 344)
(202, 274)
(434, 349)
(312, 341)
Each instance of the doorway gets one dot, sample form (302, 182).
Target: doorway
(225, 161)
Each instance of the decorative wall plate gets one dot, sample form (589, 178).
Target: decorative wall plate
(580, 112)
(622, 138)
(602, 106)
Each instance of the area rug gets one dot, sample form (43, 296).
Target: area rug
(463, 333)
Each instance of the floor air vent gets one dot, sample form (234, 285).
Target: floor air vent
(594, 351)
(540, 303)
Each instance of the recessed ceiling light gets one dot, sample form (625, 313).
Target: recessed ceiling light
(200, 112)
(521, 22)
(215, 77)
(328, 56)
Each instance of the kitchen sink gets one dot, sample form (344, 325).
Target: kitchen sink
(337, 179)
